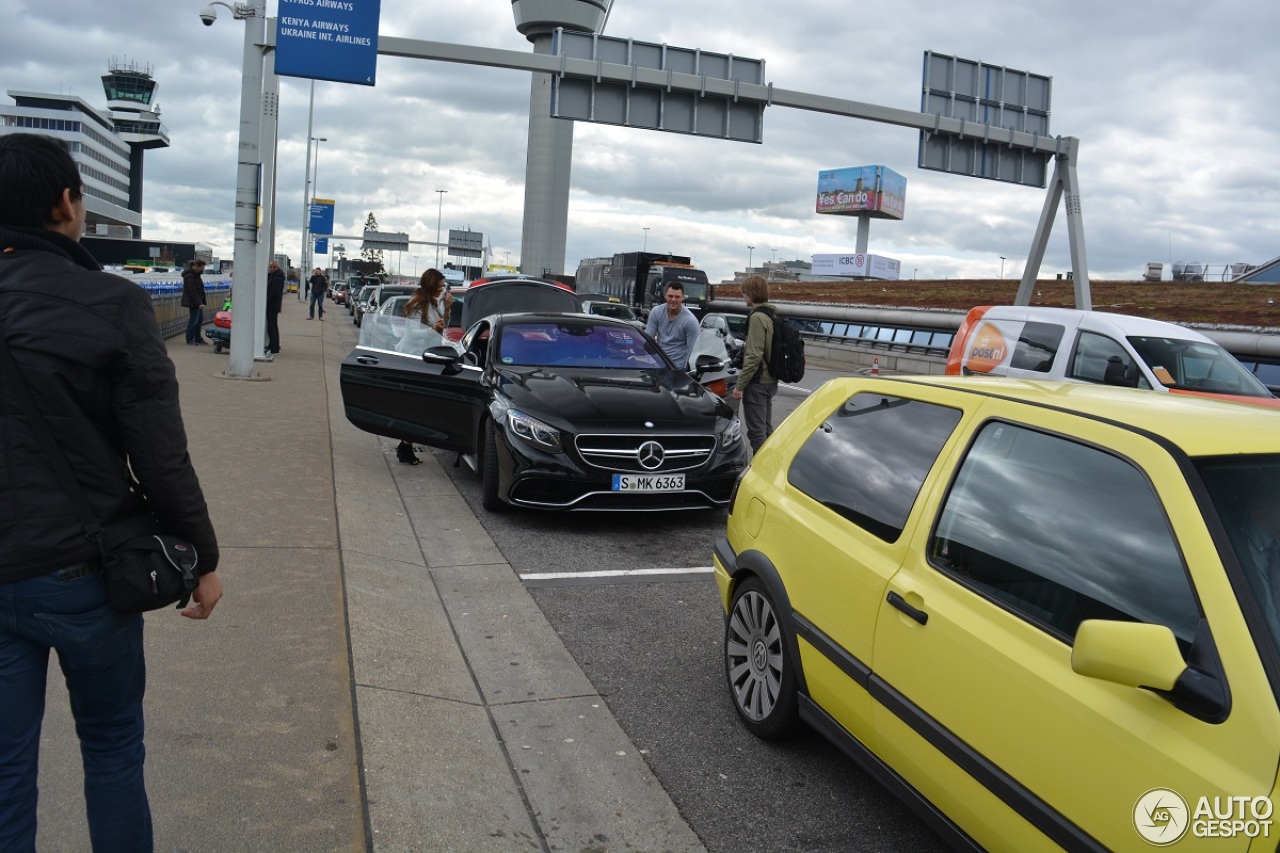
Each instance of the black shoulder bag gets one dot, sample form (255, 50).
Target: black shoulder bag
(142, 573)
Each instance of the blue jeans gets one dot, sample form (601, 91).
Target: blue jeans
(194, 322)
(317, 301)
(101, 656)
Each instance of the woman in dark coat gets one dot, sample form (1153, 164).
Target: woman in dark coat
(193, 299)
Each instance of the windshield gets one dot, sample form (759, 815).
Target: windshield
(612, 309)
(1245, 494)
(577, 344)
(1197, 366)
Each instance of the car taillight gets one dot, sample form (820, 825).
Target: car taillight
(453, 333)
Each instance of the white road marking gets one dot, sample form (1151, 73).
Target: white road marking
(613, 575)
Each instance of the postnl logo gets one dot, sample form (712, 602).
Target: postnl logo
(987, 349)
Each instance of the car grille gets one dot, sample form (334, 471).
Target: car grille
(625, 452)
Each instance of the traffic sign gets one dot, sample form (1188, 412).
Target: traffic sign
(328, 40)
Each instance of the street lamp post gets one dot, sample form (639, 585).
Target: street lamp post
(1002, 267)
(439, 216)
(750, 250)
(314, 171)
(646, 239)
(304, 256)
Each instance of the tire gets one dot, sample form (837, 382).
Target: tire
(758, 667)
(489, 498)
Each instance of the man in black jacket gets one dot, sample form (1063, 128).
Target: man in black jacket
(275, 302)
(88, 346)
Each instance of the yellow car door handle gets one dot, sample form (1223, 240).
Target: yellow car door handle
(914, 612)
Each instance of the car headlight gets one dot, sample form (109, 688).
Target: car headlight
(533, 431)
(732, 434)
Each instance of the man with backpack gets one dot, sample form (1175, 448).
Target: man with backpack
(756, 384)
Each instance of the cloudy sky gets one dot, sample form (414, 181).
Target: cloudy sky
(1174, 103)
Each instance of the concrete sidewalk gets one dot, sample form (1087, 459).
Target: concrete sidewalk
(377, 677)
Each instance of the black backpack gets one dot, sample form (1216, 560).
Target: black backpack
(786, 355)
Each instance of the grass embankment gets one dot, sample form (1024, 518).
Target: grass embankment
(1216, 303)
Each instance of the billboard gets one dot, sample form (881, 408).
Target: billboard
(877, 191)
(858, 266)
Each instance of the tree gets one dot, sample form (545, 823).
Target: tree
(372, 257)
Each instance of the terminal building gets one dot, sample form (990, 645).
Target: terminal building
(108, 146)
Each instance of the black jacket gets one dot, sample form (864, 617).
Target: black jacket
(192, 289)
(275, 291)
(89, 348)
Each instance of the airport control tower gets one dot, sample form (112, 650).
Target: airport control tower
(546, 182)
(131, 92)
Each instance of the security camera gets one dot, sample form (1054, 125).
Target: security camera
(208, 15)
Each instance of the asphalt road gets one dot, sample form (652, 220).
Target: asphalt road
(653, 649)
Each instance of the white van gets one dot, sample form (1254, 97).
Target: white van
(1093, 346)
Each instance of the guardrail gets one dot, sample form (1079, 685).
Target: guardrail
(166, 299)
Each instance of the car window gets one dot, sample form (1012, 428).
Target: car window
(1197, 366)
(611, 309)
(1059, 532)
(387, 329)
(1242, 489)
(576, 344)
(1037, 345)
(869, 458)
(1093, 356)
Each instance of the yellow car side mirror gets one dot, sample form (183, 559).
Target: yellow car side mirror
(1135, 654)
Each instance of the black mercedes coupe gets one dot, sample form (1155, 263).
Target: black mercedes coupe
(556, 411)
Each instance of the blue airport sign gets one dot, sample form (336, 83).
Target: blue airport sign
(321, 219)
(328, 40)
(322, 246)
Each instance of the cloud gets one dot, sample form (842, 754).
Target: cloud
(1173, 103)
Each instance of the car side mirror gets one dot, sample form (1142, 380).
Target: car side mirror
(707, 363)
(1134, 654)
(440, 355)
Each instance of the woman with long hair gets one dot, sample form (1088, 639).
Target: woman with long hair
(430, 303)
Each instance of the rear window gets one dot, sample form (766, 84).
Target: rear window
(869, 459)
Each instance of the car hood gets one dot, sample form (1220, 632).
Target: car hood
(620, 400)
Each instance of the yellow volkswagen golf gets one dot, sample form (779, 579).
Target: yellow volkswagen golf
(1046, 615)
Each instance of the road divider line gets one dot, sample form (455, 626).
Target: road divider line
(613, 576)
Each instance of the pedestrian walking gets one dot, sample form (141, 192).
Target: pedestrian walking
(194, 299)
(275, 301)
(111, 403)
(317, 285)
(756, 385)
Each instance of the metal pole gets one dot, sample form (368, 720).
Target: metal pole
(439, 216)
(270, 133)
(305, 259)
(248, 186)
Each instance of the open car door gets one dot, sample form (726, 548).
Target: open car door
(403, 380)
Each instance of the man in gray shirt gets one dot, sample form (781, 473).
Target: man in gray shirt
(674, 327)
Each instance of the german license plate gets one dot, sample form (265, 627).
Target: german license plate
(648, 482)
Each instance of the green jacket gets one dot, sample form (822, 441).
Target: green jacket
(756, 348)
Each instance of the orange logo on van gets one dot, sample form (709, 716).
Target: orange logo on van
(987, 349)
